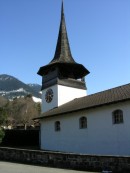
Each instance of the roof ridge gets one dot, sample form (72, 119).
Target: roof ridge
(108, 89)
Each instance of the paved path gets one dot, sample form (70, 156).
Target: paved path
(7, 167)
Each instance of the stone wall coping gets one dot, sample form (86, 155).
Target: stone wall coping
(64, 153)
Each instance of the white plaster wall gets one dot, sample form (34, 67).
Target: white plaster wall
(100, 137)
(66, 94)
(62, 94)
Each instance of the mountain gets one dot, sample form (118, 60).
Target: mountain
(35, 87)
(10, 87)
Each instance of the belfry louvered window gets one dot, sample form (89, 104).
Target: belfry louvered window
(117, 117)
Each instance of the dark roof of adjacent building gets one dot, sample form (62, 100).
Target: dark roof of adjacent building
(111, 96)
(63, 58)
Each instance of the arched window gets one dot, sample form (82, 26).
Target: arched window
(57, 126)
(117, 116)
(83, 123)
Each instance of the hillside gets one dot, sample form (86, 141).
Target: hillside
(11, 87)
(19, 112)
(3, 101)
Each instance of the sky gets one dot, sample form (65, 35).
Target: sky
(98, 31)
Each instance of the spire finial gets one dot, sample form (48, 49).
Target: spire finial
(62, 10)
(62, 6)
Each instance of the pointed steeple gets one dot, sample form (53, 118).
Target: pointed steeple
(63, 52)
(63, 60)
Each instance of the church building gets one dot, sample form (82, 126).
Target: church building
(71, 120)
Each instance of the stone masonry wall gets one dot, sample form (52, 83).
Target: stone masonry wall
(66, 160)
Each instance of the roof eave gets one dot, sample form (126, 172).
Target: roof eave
(78, 69)
(86, 108)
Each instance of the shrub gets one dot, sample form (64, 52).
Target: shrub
(1, 135)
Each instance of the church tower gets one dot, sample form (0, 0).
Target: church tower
(63, 78)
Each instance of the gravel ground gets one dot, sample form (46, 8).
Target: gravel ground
(7, 167)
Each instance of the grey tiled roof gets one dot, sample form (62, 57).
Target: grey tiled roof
(114, 95)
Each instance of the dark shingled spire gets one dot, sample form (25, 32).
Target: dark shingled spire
(63, 52)
(63, 60)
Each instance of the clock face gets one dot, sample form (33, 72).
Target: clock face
(49, 95)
